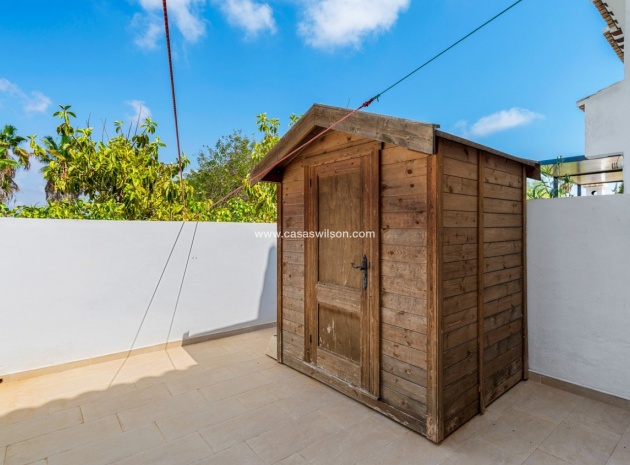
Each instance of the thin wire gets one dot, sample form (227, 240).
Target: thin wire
(377, 96)
(170, 67)
(181, 285)
(365, 104)
(146, 312)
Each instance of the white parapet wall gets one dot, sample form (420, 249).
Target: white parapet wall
(77, 290)
(579, 291)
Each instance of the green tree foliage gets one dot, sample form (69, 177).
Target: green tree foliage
(122, 178)
(12, 157)
(545, 188)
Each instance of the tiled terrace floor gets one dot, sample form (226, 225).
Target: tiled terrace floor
(224, 402)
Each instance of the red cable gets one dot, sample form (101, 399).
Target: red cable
(170, 67)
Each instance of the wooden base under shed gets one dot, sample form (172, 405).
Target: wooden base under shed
(425, 319)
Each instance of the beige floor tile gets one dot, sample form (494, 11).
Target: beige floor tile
(408, 449)
(194, 381)
(39, 426)
(179, 425)
(309, 401)
(348, 446)
(146, 414)
(279, 372)
(251, 366)
(240, 454)
(3, 451)
(517, 432)
(59, 441)
(243, 427)
(346, 412)
(479, 452)
(292, 436)
(580, 443)
(547, 403)
(510, 398)
(116, 403)
(102, 392)
(621, 454)
(605, 416)
(469, 430)
(270, 393)
(111, 449)
(181, 451)
(543, 458)
(233, 387)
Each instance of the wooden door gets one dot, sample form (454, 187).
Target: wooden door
(341, 258)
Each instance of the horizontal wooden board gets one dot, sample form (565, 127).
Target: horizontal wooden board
(406, 237)
(295, 258)
(460, 269)
(460, 319)
(510, 207)
(494, 249)
(502, 318)
(502, 276)
(293, 304)
(395, 154)
(404, 169)
(502, 220)
(404, 370)
(454, 390)
(459, 202)
(502, 290)
(460, 336)
(292, 327)
(403, 403)
(417, 203)
(404, 320)
(502, 262)
(293, 222)
(405, 270)
(398, 302)
(502, 178)
(501, 361)
(455, 253)
(405, 337)
(459, 219)
(292, 292)
(457, 185)
(294, 187)
(494, 191)
(293, 351)
(462, 417)
(459, 303)
(404, 186)
(460, 370)
(401, 253)
(459, 286)
(292, 280)
(502, 332)
(294, 209)
(459, 353)
(406, 354)
(292, 315)
(409, 287)
(460, 169)
(292, 198)
(502, 164)
(454, 236)
(459, 152)
(499, 348)
(403, 220)
(503, 380)
(502, 234)
(289, 337)
(404, 387)
(293, 245)
(502, 304)
(460, 403)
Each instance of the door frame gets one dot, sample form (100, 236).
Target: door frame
(370, 324)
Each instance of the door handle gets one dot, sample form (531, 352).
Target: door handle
(363, 267)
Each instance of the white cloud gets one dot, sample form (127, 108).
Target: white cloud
(339, 23)
(249, 15)
(185, 15)
(33, 102)
(499, 121)
(141, 111)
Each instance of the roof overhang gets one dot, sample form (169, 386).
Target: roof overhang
(421, 137)
(614, 31)
(588, 171)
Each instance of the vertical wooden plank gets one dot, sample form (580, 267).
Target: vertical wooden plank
(310, 265)
(435, 407)
(374, 287)
(480, 276)
(525, 342)
(279, 272)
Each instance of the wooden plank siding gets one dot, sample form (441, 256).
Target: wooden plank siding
(504, 182)
(403, 270)
(460, 236)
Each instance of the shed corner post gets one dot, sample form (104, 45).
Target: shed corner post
(435, 405)
(525, 336)
(279, 245)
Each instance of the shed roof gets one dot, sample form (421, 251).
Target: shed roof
(421, 137)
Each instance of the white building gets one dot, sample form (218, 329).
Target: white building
(607, 113)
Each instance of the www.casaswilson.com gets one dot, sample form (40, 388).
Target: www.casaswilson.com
(325, 234)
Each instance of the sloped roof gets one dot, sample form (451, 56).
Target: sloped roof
(614, 33)
(406, 133)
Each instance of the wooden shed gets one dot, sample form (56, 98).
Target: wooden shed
(401, 265)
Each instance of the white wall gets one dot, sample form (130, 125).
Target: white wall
(73, 290)
(579, 291)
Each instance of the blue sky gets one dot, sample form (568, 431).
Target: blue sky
(513, 86)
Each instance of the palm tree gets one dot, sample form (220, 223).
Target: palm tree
(55, 158)
(12, 157)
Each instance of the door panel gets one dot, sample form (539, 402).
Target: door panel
(340, 321)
